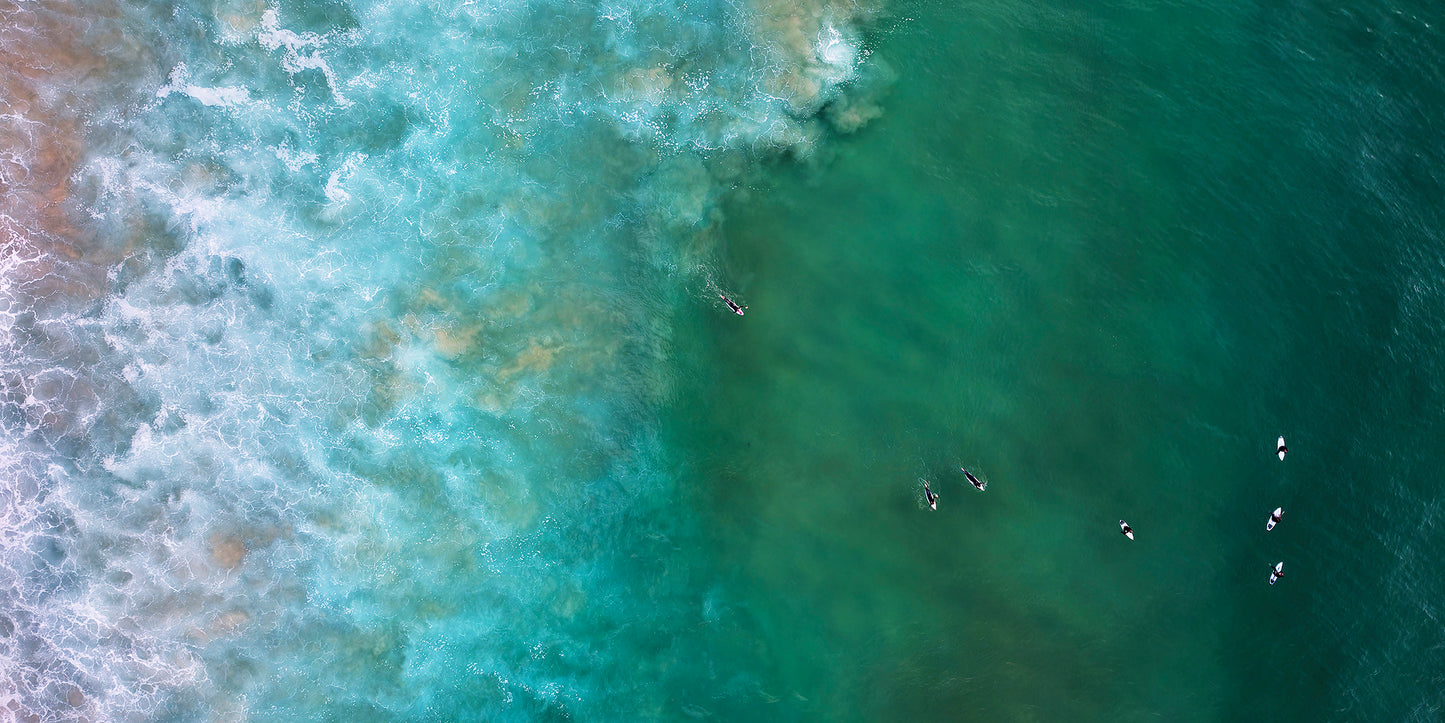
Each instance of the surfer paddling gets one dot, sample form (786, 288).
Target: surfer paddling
(932, 498)
(1281, 451)
(1126, 529)
(974, 480)
(1274, 518)
(1276, 573)
(731, 305)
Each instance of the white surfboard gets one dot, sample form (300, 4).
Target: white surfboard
(1276, 573)
(1281, 448)
(1274, 518)
(932, 498)
(1126, 529)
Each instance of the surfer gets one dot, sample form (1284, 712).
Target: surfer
(1126, 529)
(736, 309)
(932, 498)
(1276, 573)
(974, 480)
(1274, 518)
(1282, 449)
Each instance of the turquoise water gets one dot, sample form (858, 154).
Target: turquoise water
(364, 361)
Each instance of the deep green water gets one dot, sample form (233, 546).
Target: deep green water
(1103, 255)
(363, 361)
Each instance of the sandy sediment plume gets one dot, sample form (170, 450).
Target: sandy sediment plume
(804, 55)
(39, 142)
(59, 65)
(51, 73)
(814, 44)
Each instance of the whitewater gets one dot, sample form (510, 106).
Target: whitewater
(334, 340)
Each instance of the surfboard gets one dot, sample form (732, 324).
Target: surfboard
(1281, 448)
(1276, 573)
(1273, 518)
(1124, 528)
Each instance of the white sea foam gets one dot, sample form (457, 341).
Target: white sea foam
(295, 160)
(334, 184)
(220, 96)
(838, 52)
(302, 51)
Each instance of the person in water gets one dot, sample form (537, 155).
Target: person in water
(974, 480)
(736, 309)
(1125, 528)
(932, 498)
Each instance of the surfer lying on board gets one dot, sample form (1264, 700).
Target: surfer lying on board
(932, 498)
(972, 479)
(1274, 518)
(736, 309)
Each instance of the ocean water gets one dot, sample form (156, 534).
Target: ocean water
(364, 360)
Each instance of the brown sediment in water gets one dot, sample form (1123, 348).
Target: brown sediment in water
(227, 551)
(40, 142)
(536, 358)
(793, 30)
(46, 67)
(57, 63)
